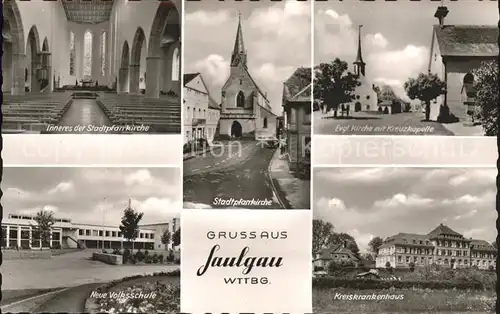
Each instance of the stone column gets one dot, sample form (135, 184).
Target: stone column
(122, 80)
(47, 63)
(134, 74)
(167, 68)
(18, 66)
(7, 238)
(153, 77)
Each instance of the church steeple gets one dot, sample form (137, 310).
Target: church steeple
(359, 64)
(239, 55)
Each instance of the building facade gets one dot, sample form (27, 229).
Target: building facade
(195, 103)
(365, 97)
(338, 254)
(297, 104)
(213, 118)
(19, 231)
(442, 246)
(245, 110)
(455, 52)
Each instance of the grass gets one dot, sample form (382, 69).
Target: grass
(414, 300)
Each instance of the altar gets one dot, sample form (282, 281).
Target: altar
(87, 82)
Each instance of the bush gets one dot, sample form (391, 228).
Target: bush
(146, 253)
(116, 252)
(171, 256)
(319, 268)
(161, 258)
(126, 256)
(133, 259)
(139, 255)
(445, 115)
(177, 261)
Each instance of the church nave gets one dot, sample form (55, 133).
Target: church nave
(116, 68)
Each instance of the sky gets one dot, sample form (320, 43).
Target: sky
(396, 35)
(369, 202)
(82, 194)
(277, 37)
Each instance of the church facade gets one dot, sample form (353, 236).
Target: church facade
(455, 52)
(365, 97)
(245, 110)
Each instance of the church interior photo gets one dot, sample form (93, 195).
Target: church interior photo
(91, 66)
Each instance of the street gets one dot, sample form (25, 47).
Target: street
(237, 170)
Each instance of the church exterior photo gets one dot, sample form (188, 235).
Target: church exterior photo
(245, 109)
(455, 52)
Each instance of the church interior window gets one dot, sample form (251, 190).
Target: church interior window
(87, 54)
(240, 100)
(71, 53)
(103, 53)
(176, 64)
(265, 123)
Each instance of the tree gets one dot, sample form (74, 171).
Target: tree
(334, 85)
(412, 266)
(487, 90)
(494, 244)
(367, 256)
(426, 87)
(176, 238)
(322, 235)
(165, 238)
(130, 224)
(348, 241)
(375, 244)
(44, 221)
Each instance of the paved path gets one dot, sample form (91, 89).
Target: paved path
(66, 270)
(236, 170)
(84, 112)
(293, 192)
(367, 124)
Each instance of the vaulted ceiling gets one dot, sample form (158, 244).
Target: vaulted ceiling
(88, 11)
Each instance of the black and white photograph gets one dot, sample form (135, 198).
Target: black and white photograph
(91, 240)
(247, 104)
(406, 68)
(419, 240)
(91, 67)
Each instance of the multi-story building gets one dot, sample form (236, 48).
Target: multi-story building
(212, 120)
(19, 231)
(196, 100)
(297, 111)
(442, 246)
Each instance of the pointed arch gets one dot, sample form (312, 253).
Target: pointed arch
(123, 74)
(12, 14)
(166, 28)
(33, 40)
(125, 55)
(240, 100)
(88, 39)
(138, 42)
(45, 45)
(264, 124)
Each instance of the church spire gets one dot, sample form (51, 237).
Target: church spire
(239, 55)
(359, 64)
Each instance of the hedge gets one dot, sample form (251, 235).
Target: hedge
(365, 284)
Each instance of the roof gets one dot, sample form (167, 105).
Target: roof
(188, 77)
(467, 40)
(407, 239)
(326, 253)
(443, 230)
(481, 245)
(212, 104)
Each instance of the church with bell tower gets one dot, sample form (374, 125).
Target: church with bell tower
(245, 109)
(365, 98)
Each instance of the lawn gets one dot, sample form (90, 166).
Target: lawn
(413, 301)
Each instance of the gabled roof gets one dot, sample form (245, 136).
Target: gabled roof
(326, 253)
(467, 40)
(298, 87)
(443, 230)
(188, 77)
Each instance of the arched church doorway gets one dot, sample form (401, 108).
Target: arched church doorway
(236, 129)
(137, 67)
(33, 62)
(357, 106)
(123, 74)
(163, 61)
(13, 62)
